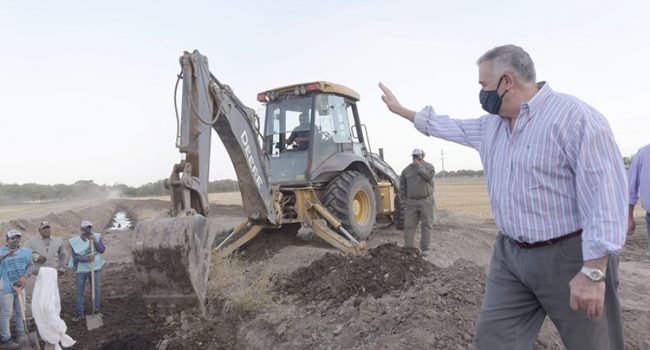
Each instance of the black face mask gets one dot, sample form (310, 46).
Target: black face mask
(490, 100)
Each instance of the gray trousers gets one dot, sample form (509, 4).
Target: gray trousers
(419, 210)
(525, 285)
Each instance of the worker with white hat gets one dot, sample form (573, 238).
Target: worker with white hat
(416, 190)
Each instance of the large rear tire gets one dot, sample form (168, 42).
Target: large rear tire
(351, 199)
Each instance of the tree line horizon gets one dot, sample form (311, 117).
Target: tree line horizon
(88, 189)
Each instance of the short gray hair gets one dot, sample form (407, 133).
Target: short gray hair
(510, 59)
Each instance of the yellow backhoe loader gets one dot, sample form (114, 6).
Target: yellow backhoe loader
(309, 166)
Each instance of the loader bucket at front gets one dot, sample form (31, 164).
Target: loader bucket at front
(172, 257)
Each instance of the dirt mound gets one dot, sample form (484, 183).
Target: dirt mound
(65, 223)
(336, 277)
(436, 310)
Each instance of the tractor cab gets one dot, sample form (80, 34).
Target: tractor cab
(306, 126)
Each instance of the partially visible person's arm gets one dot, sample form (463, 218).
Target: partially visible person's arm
(99, 246)
(29, 270)
(62, 256)
(633, 190)
(631, 225)
(291, 138)
(79, 258)
(426, 171)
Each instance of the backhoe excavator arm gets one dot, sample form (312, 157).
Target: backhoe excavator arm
(208, 104)
(172, 255)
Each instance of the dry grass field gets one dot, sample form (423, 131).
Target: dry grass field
(225, 198)
(464, 197)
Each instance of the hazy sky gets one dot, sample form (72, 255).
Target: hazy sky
(86, 90)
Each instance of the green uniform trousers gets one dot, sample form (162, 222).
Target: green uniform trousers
(419, 210)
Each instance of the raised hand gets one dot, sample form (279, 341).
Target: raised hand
(393, 104)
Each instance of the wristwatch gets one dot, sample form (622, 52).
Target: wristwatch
(595, 275)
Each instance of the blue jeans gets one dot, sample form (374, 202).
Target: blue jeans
(9, 304)
(80, 289)
(647, 226)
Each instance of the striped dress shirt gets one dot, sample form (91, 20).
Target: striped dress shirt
(558, 171)
(639, 177)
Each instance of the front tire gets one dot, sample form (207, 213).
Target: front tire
(350, 197)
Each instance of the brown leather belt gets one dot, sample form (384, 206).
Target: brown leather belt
(527, 245)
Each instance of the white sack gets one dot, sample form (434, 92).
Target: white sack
(46, 308)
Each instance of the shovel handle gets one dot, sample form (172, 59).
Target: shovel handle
(92, 274)
(22, 309)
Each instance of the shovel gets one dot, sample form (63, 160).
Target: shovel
(95, 320)
(32, 338)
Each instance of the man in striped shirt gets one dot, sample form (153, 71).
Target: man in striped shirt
(557, 187)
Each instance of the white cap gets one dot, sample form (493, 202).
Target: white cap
(43, 224)
(13, 233)
(86, 223)
(417, 152)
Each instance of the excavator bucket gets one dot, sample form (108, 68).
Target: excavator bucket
(172, 259)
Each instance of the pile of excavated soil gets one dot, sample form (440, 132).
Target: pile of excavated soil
(337, 278)
(435, 310)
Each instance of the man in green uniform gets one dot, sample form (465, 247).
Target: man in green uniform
(416, 188)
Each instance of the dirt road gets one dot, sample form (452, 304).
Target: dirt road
(296, 293)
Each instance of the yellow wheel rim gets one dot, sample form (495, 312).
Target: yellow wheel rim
(361, 208)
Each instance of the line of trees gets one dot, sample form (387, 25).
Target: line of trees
(627, 161)
(87, 189)
(459, 173)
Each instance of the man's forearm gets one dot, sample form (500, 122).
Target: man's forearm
(62, 257)
(29, 271)
(79, 258)
(426, 173)
(406, 113)
(100, 247)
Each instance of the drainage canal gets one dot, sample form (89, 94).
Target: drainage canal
(121, 221)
